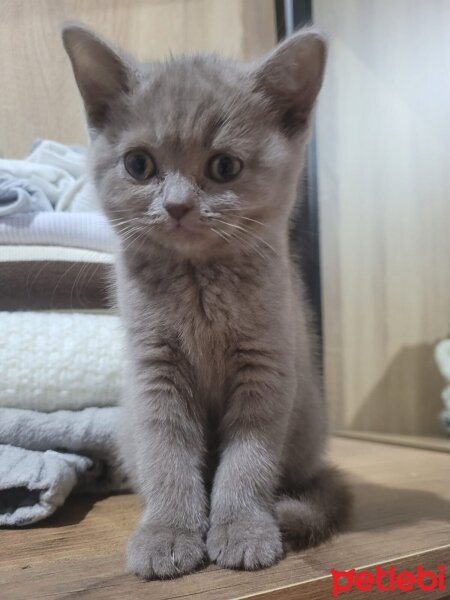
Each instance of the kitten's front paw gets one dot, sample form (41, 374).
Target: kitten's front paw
(163, 552)
(245, 544)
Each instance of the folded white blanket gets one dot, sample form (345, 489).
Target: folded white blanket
(55, 360)
(19, 195)
(55, 171)
(32, 253)
(79, 230)
(43, 457)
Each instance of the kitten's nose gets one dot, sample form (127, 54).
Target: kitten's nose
(177, 210)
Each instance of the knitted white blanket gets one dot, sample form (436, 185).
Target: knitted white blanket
(59, 360)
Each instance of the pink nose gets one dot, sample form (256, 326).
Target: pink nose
(177, 210)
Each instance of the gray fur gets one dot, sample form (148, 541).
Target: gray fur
(224, 427)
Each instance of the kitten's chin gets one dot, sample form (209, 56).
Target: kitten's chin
(194, 244)
(201, 249)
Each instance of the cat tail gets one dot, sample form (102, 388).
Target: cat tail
(312, 515)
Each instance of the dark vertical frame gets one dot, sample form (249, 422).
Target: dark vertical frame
(305, 226)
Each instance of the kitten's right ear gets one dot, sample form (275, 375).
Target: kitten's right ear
(101, 74)
(290, 78)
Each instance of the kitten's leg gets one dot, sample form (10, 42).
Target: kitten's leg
(243, 530)
(315, 501)
(168, 439)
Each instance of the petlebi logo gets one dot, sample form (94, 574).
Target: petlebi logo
(388, 580)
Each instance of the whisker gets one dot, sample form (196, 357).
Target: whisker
(221, 234)
(245, 243)
(240, 208)
(131, 239)
(250, 233)
(52, 298)
(254, 221)
(249, 246)
(130, 235)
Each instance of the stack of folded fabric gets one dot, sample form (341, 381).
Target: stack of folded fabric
(60, 343)
(55, 246)
(442, 355)
(55, 260)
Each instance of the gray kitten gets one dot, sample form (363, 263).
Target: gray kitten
(196, 161)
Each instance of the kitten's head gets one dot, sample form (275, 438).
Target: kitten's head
(198, 154)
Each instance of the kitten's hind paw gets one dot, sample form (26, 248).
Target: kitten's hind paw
(245, 544)
(156, 552)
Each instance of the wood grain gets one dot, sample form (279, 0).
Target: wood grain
(402, 510)
(319, 589)
(38, 94)
(383, 129)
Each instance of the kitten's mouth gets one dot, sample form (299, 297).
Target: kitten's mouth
(181, 228)
(178, 228)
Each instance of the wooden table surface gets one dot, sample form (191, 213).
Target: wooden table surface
(402, 518)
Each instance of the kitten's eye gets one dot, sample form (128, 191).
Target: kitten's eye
(139, 165)
(223, 168)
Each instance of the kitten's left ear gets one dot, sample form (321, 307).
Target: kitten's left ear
(290, 78)
(102, 75)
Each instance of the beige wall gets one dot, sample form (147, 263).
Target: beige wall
(38, 97)
(384, 186)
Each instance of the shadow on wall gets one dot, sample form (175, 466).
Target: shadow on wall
(407, 398)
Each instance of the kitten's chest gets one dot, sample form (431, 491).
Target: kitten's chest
(201, 315)
(203, 302)
(207, 309)
(209, 312)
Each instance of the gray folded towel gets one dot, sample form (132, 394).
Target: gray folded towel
(46, 456)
